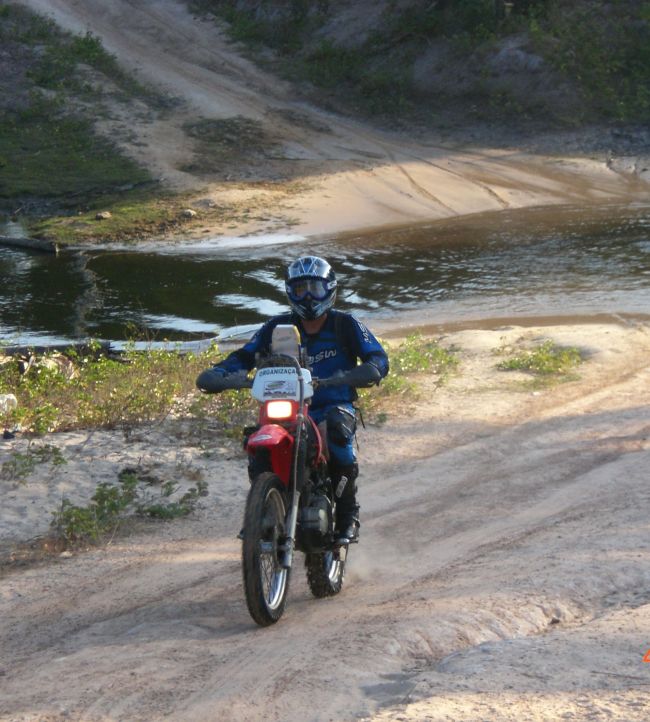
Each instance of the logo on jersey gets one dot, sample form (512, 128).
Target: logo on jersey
(322, 355)
(364, 331)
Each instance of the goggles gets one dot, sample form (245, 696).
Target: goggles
(316, 288)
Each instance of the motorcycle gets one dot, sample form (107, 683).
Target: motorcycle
(291, 505)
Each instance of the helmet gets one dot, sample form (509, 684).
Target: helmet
(311, 287)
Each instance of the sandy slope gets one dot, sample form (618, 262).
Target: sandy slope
(503, 572)
(351, 176)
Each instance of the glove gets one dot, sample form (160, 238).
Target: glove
(211, 380)
(361, 376)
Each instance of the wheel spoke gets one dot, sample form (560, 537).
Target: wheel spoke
(274, 576)
(265, 579)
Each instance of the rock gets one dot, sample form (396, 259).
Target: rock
(7, 403)
(103, 215)
(54, 362)
(189, 213)
(516, 60)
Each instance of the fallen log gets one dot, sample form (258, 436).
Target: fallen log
(82, 348)
(33, 243)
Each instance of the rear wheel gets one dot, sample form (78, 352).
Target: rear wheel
(325, 572)
(266, 581)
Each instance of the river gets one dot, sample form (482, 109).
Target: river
(541, 262)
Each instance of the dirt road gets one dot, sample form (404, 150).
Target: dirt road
(503, 571)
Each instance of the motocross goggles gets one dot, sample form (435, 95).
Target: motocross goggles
(316, 288)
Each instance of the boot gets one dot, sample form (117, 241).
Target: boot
(348, 529)
(347, 508)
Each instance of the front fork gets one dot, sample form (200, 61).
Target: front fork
(297, 483)
(289, 545)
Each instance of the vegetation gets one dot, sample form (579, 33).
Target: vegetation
(112, 502)
(20, 465)
(56, 84)
(413, 357)
(92, 390)
(546, 360)
(605, 47)
(139, 215)
(50, 154)
(223, 142)
(46, 155)
(600, 48)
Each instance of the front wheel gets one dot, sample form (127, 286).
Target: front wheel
(266, 581)
(325, 572)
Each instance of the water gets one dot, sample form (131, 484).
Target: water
(536, 262)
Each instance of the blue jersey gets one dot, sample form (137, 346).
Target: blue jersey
(327, 352)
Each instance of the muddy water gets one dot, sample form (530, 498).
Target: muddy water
(535, 262)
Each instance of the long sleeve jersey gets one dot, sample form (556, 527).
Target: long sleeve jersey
(327, 352)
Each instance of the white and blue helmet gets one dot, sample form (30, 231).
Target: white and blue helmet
(311, 287)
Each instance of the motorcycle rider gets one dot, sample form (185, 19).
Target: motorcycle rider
(334, 341)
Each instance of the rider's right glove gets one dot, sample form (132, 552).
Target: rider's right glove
(210, 380)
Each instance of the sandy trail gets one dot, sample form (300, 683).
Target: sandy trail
(503, 571)
(352, 176)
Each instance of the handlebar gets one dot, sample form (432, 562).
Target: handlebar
(213, 381)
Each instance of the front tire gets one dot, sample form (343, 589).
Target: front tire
(266, 581)
(325, 573)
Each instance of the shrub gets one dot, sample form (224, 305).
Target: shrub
(93, 390)
(546, 359)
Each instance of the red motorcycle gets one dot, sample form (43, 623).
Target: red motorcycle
(291, 503)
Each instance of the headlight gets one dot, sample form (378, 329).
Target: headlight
(279, 409)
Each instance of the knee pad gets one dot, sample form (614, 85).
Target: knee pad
(341, 425)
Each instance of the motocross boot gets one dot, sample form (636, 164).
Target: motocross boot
(347, 508)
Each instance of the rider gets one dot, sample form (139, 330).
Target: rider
(333, 341)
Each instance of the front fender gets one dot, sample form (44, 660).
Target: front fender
(279, 444)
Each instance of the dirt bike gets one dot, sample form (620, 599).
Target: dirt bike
(291, 504)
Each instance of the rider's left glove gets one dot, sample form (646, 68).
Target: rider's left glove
(210, 380)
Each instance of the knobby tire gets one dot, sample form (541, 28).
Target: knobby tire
(325, 573)
(266, 582)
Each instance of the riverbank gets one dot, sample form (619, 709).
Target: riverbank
(247, 155)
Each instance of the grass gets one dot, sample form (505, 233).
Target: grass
(99, 391)
(20, 465)
(138, 216)
(89, 389)
(413, 357)
(605, 48)
(547, 362)
(80, 390)
(221, 143)
(50, 155)
(112, 503)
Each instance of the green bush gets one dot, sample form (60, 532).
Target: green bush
(416, 355)
(545, 359)
(605, 48)
(93, 390)
(112, 503)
